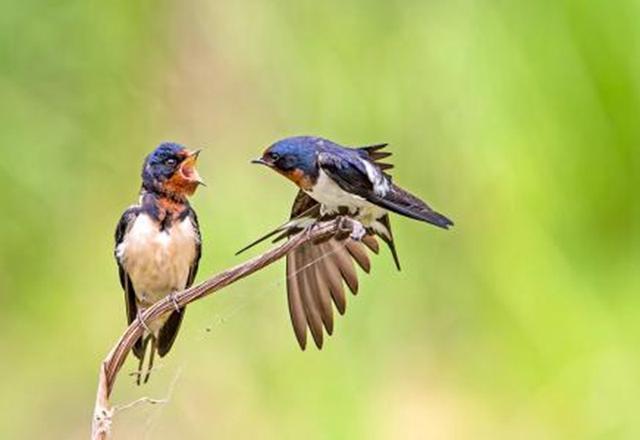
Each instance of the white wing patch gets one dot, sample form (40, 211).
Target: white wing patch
(377, 178)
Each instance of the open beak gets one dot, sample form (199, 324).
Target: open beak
(188, 168)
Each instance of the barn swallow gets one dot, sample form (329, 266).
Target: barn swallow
(158, 246)
(335, 180)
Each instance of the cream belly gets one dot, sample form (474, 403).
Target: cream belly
(332, 197)
(158, 262)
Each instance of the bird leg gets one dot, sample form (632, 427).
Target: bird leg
(151, 356)
(144, 324)
(138, 373)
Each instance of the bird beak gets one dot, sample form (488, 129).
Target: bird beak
(188, 168)
(261, 161)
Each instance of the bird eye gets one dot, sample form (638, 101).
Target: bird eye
(274, 156)
(171, 162)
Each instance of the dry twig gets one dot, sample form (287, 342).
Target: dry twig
(103, 412)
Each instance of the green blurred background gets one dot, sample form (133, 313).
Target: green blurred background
(519, 120)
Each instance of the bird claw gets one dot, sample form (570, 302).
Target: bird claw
(350, 228)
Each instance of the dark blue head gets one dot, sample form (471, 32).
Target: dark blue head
(170, 168)
(294, 157)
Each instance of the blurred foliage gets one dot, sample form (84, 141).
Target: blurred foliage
(517, 119)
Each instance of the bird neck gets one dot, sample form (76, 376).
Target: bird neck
(164, 207)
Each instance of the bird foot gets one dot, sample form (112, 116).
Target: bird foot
(174, 301)
(358, 231)
(350, 228)
(343, 228)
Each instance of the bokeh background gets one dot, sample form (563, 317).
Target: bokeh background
(517, 119)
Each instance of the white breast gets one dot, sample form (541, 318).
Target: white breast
(332, 197)
(158, 262)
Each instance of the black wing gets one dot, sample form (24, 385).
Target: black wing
(169, 330)
(316, 273)
(349, 171)
(403, 202)
(193, 271)
(124, 225)
(374, 153)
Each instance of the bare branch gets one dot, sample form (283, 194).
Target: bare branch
(103, 412)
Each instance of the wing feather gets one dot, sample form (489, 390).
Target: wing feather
(320, 288)
(345, 265)
(359, 254)
(124, 225)
(296, 309)
(311, 308)
(334, 279)
(316, 274)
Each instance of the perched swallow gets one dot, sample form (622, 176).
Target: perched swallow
(335, 180)
(158, 245)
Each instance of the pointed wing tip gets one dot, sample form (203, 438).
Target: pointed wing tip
(280, 228)
(447, 224)
(318, 341)
(302, 342)
(329, 329)
(437, 219)
(374, 147)
(445, 221)
(394, 254)
(246, 248)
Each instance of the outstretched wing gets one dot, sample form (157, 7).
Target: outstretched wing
(169, 331)
(123, 227)
(316, 274)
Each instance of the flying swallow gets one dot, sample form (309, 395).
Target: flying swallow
(336, 180)
(158, 246)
